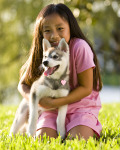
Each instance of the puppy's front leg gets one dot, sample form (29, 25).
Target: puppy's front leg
(62, 111)
(35, 95)
(33, 114)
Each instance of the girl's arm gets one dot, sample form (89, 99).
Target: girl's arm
(85, 80)
(23, 88)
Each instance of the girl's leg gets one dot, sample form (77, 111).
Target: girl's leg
(82, 132)
(49, 132)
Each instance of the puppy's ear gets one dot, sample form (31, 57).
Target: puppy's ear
(63, 45)
(46, 44)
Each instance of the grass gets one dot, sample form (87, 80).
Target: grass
(110, 137)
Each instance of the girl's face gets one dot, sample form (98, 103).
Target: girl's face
(55, 28)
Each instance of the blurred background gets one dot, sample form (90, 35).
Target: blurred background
(99, 20)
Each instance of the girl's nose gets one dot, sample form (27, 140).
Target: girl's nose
(54, 35)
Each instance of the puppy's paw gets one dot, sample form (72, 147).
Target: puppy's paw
(31, 132)
(10, 134)
(61, 130)
(63, 92)
(28, 134)
(62, 133)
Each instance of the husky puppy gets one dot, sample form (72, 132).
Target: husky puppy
(54, 82)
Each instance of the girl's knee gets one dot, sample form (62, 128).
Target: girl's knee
(81, 132)
(48, 131)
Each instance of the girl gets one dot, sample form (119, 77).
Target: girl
(53, 23)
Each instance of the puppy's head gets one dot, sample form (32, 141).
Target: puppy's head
(55, 59)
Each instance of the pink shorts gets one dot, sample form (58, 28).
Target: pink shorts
(48, 119)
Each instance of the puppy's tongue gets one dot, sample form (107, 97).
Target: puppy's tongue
(49, 71)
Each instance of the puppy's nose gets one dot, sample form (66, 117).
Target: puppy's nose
(45, 63)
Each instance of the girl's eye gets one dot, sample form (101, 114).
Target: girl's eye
(46, 31)
(60, 28)
(55, 57)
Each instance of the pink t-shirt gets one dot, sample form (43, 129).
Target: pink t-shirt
(81, 59)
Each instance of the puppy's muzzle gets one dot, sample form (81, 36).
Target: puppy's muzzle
(45, 63)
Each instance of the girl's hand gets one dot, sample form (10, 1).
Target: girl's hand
(46, 102)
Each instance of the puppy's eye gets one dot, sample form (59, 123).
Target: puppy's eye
(55, 56)
(45, 56)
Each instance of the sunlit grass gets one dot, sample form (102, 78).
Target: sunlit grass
(110, 137)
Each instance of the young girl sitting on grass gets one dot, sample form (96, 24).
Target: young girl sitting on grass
(54, 22)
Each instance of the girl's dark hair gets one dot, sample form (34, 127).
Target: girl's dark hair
(36, 54)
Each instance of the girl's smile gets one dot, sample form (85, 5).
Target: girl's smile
(55, 28)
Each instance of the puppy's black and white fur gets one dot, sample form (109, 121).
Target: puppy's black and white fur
(54, 82)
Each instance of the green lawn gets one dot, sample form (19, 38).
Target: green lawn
(109, 140)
